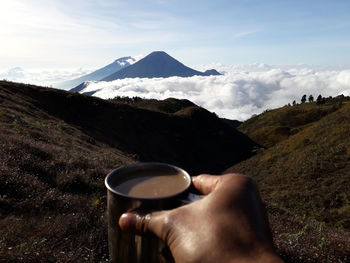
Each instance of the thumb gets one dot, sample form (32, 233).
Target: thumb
(142, 223)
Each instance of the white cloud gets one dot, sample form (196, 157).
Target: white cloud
(242, 91)
(44, 77)
(238, 94)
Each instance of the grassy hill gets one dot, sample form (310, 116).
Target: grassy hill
(52, 198)
(56, 147)
(147, 135)
(274, 126)
(305, 170)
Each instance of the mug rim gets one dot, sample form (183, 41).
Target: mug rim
(140, 164)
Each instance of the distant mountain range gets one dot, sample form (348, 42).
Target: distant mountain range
(98, 74)
(158, 64)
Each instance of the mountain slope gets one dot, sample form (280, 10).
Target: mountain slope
(52, 197)
(56, 147)
(277, 125)
(308, 171)
(97, 74)
(155, 65)
(170, 105)
(148, 134)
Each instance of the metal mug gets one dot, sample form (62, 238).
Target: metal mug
(130, 248)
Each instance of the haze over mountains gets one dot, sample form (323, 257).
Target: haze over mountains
(158, 64)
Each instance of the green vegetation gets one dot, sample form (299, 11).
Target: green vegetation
(308, 170)
(277, 125)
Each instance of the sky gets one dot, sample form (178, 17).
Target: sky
(93, 33)
(270, 52)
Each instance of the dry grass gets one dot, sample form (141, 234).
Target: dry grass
(274, 126)
(56, 147)
(307, 174)
(52, 197)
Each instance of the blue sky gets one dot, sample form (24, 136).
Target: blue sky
(92, 33)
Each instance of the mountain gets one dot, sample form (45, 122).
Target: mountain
(97, 74)
(158, 64)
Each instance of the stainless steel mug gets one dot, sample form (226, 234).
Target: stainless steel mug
(129, 248)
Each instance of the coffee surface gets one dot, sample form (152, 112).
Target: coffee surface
(151, 184)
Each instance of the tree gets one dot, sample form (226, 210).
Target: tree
(320, 100)
(311, 98)
(303, 99)
(294, 103)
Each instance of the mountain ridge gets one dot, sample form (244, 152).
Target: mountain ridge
(157, 64)
(119, 125)
(98, 74)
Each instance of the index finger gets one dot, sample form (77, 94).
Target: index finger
(205, 183)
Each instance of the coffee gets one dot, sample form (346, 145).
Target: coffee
(144, 186)
(152, 183)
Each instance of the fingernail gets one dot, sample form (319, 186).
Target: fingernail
(127, 221)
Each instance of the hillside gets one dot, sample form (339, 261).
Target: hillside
(305, 170)
(169, 105)
(308, 172)
(57, 147)
(308, 157)
(52, 197)
(274, 126)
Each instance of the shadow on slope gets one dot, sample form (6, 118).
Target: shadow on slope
(170, 105)
(198, 142)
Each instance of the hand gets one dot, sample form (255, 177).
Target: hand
(228, 225)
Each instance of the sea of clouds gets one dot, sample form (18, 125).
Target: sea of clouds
(239, 93)
(43, 77)
(242, 90)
